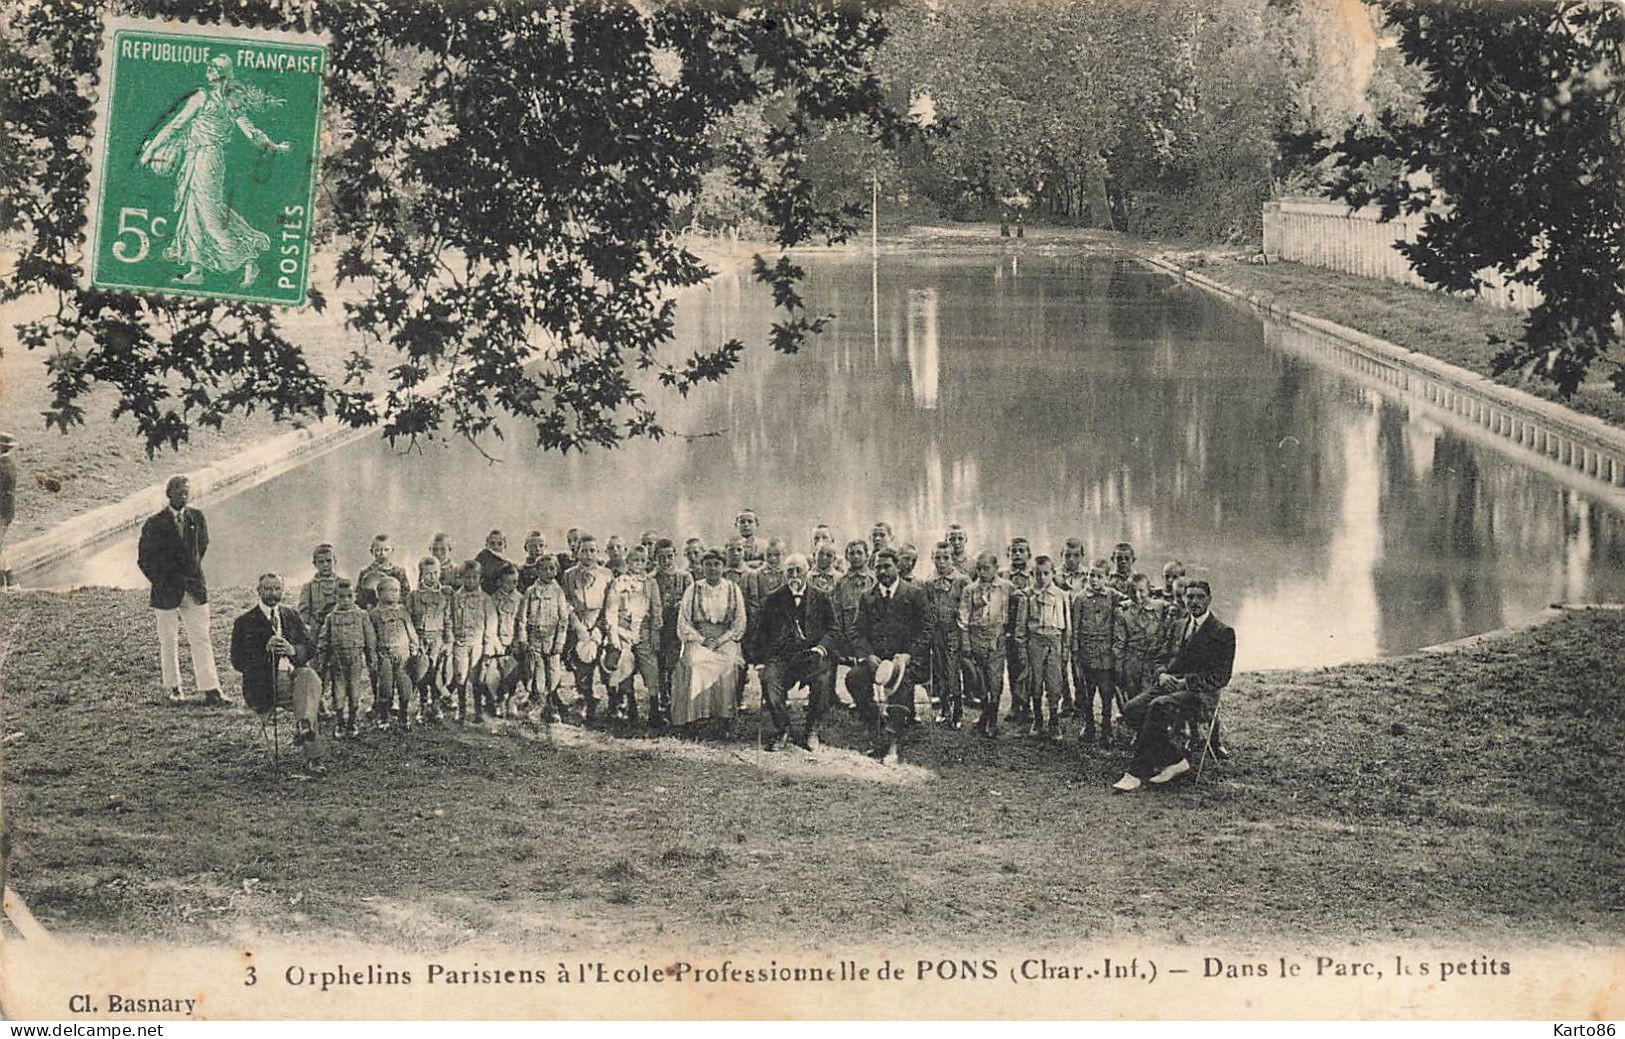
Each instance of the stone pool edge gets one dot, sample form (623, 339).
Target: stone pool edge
(1564, 434)
(255, 464)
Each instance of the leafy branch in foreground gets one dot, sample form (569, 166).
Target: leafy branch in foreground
(501, 186)
(1519, 132)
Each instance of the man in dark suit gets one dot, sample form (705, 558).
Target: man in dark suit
(269, 643)
(170, 555)
(269, 639)
(891, 626)
(1188, 690)
(795, 641)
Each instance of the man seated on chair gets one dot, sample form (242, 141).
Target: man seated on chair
(795, 642)
(269, 646)
(891, 626)
(1188, 690)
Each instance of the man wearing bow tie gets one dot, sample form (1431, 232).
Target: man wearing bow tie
(795, 641)
(1187, 691)
(170, 556)
(891, 625)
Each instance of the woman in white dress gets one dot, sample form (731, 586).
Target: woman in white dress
(209, 234)
(710, 624)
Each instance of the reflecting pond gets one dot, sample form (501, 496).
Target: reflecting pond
(1051, 394)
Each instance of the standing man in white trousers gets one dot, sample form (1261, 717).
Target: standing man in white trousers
(171, 556)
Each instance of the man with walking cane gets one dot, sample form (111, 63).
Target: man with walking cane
(795, 642)
(269, 647)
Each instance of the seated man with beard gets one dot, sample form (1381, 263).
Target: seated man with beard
(269, 647)
(795, 641)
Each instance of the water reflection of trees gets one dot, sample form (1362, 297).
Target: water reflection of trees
(1085, 397)
(1072, 396)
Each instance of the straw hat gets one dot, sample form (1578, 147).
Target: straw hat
(889, 678)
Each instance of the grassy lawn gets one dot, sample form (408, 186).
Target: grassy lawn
(1463, 796)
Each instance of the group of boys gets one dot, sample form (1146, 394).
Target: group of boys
(498, 637)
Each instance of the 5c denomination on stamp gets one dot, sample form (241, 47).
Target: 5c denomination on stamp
(203, 177)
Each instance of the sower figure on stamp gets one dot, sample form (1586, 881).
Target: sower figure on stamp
(795, 642)
(193, 146)
(891, 629)
(269, 646)
(170, 555)
(1187, 692)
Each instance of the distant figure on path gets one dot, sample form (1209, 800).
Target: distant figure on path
(8, 500)
(1187, 691)
(171, 558)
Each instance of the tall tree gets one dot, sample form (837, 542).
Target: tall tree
(505, 175)
(1515, 157)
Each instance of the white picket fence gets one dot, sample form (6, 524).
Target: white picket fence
(1357, 241)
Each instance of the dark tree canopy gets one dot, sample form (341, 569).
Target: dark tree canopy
(1515, 155)
(499, 176)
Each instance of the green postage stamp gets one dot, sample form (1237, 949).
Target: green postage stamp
(203, 172)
